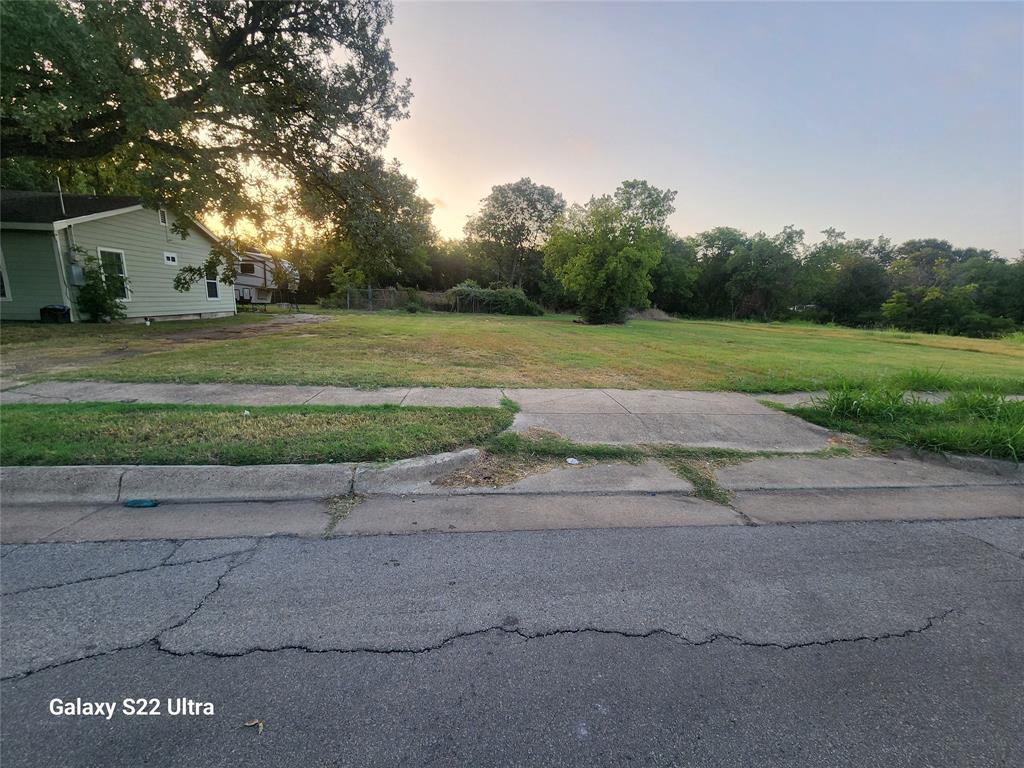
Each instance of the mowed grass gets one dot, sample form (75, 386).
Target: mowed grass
(437, 349)
(118, 433)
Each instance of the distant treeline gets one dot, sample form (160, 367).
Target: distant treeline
(921, 285)
(616, 252)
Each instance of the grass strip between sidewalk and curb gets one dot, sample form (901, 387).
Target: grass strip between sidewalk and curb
(135, 433)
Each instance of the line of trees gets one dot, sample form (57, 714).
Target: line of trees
(616, 253)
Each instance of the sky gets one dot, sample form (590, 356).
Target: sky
(902, 119)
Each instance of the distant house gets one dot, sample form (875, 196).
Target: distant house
(254, 283)
(45, 239)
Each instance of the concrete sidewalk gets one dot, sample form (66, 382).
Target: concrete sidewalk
(246, 394)
(611, 416)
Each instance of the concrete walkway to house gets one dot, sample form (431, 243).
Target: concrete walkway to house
(610, 416)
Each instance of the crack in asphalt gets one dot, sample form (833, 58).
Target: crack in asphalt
(120, 484)
(177, 548)
(240, 560)
(528, 636)
(243, 557)
(736, 640)
(1012, 553)
(162, 564)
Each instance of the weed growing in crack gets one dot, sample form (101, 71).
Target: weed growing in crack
(339, 508)
(696, 465)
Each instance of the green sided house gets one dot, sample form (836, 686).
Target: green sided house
(45, 239)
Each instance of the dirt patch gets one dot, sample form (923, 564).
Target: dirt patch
(857, 446)
(260, 328)
(652, 313)
(27, 365)
(30, 359)
(539, 433)
(497, 470)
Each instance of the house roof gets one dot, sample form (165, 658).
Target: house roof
(43, 210)
(45, 207)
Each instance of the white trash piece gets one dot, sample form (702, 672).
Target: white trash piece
(572, 461)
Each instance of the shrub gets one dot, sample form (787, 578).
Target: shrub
(469, 297)
(982, 326)
(413, 302)
(332, 302)
(99, 297)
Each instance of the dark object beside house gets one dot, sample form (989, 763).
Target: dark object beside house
(55, 313)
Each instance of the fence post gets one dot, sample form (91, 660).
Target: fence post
(348, 297)
(369, 296)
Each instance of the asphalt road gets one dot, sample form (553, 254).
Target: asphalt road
(856, 644)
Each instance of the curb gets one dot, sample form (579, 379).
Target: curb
(113, 484)
(409, 475)
(264, 482)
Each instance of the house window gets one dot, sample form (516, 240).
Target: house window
(248, 268)
(212, 289)
(163, 217)
(112, 262)
(170, 258)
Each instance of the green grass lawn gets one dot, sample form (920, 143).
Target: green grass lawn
(438, 349)
(967, 422)
(117, 433)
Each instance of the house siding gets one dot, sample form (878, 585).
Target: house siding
(30, 263)
(143, 239)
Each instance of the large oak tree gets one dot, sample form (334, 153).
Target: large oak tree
(195, 102)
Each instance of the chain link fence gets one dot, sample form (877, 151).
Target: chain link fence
(372, 299)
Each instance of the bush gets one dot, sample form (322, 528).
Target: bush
(413, 301)
(469, 297)
(331, 302)
(99, 296)
(982, 326)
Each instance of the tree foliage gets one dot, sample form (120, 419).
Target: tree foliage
(377, 224)
(511, 227)
(220, 265)
(762, 274)
(191, 99)
(674, 277)
(602, 253)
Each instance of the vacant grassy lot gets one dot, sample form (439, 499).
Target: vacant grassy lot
(31, 348)
(117, 433)
(398, 349)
